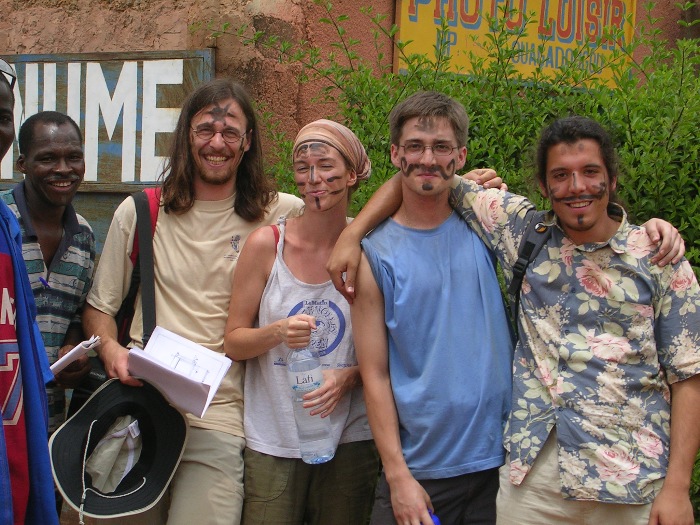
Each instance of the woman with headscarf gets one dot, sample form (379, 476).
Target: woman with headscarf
(281, 291)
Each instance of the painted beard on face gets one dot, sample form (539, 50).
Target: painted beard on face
(446, 173)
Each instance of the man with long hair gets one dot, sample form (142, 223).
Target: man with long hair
(214, 194)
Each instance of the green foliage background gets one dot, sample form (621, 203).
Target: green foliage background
(652, 107)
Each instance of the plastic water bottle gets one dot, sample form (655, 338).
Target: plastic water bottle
(435, 519)
(305, 375)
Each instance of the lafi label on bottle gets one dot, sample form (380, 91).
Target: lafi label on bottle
(306, 381)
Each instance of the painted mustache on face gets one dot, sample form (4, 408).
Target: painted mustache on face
(602, 190)
(446, 172)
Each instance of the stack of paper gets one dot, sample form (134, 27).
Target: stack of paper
(186, 373)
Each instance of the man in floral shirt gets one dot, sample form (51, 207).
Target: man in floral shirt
(503, 217)
(607, 338)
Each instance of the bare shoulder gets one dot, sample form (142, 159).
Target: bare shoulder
(256, 259)
(262, 241)
(366, 285)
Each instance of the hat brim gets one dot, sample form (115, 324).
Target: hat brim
(164, 435)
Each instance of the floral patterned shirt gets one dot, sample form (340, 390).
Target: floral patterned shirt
(603, 333)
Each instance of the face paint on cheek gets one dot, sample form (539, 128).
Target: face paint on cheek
(600, 190)
(331, 180)
(405, 166)
(555, 195)
(449, 171)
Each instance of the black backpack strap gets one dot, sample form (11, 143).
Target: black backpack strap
(126, 310)
(535, 237)
(145, 264)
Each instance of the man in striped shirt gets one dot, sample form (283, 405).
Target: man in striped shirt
(58, 245)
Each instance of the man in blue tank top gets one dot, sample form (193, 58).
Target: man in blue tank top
(432, 337)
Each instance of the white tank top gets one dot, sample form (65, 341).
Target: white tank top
(268, 414)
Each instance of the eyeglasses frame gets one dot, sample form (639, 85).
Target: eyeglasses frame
(240, 139)
(432, 148)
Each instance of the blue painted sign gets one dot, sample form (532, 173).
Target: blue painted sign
(126, 104)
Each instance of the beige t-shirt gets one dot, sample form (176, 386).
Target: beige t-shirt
(195, 255)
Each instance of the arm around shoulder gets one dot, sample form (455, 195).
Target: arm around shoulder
(343, 262)
(667, 237)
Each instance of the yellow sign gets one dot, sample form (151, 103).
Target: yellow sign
(556, 30)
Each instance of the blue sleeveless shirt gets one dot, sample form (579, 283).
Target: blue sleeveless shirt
(450, 345)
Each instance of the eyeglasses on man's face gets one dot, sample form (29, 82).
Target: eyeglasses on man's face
(416, 149)
(207, 132)
(10, 75)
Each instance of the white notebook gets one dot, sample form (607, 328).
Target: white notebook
(186, 373)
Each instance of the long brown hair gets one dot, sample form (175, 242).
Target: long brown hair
(254, 189)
